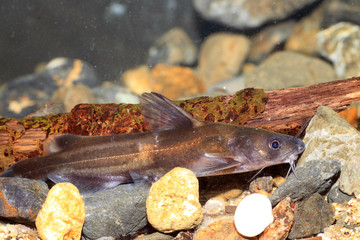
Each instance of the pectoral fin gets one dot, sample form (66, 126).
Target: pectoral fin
(212, 162)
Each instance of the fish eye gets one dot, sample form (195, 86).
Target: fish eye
(275, 144)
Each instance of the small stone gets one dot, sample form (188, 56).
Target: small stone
(285, 69)
(343, 233)
(110, 92)
(312, 215)
(219, 230)
(171, 81)
(266, 41)
(215, 205)
(21, 232)
(121, 209)
(347, 214)
(261, 183)
(247, 13)
(221, 56)
(173, 48)
(330, 136)
(173, 202)
(253, 215)
(21, 198)
(311, 177)
(155, 236)
(71, 96)
(62, 215)
(339, 43)
(335, 195)
(283, 221)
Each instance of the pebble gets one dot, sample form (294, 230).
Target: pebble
(17, 231)
(219, 230)
(335, 195)
(339, 43)
(246, 13)
(221, 56)
(303, 37)
(330, 136)
(312, 215)
(171, 81)
(121, 209)
(283, 221)
(21, 198)
(173, 48)
(311, 177)
(261, 183)
(341, 11)
(268, 40)
(62, 215)
(173, 202)
(253, 215)
(155, 236)
(109, 92)
(285, 69)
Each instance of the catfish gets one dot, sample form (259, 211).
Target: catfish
(94, 163)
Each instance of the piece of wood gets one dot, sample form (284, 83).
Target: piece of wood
(282, 111)
(288, 109)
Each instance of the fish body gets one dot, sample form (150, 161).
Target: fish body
(177, 139)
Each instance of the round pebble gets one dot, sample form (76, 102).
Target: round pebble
(253, 215)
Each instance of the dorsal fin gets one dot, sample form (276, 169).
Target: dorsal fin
(56, 143)
(162, 114)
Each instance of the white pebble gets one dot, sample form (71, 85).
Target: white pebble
(253, 215)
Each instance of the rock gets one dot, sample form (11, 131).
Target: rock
(155, 236)
(247, 13)
(312, 215)
(339, 44)
(253, 215)
(184, 236)
(219, 230)
(21, 198)
(266, 41)
(171, 81)
(341, 11)
(303, 37)
(29, 93)
(121, 209)
(285, 69)
(109, 92)
(261, 183)
(312, 177)
(330, 136)
(173, 202)
(62, 215)
(71, 96)
(283, 221)
(221, 56)
(343, 233)
(228, 86)
(173, 48)
(335, 195)
(222, 202)
(10, 231)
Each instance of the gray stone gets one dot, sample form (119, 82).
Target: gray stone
(337, 196)
(312, 215)
(21, 198)
(285, 69)
(330, 136)
(119, 211)
(340, 44)
(312, 177)
(155, 236)
(247, 13)
(173, 48)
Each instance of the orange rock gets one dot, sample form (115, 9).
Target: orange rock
(350, 115)
(171, 81)
(62, 215)
(220, 230)
(283, 221)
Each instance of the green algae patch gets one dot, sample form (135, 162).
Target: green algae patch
(235, 109)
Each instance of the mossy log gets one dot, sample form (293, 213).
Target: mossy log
(281, 111)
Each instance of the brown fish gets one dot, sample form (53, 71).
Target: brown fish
(93, 163)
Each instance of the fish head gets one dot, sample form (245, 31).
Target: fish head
(257, 148)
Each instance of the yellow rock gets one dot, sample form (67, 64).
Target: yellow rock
(62, 215)
(173, 201)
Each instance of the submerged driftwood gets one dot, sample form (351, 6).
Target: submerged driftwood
(282, 111)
